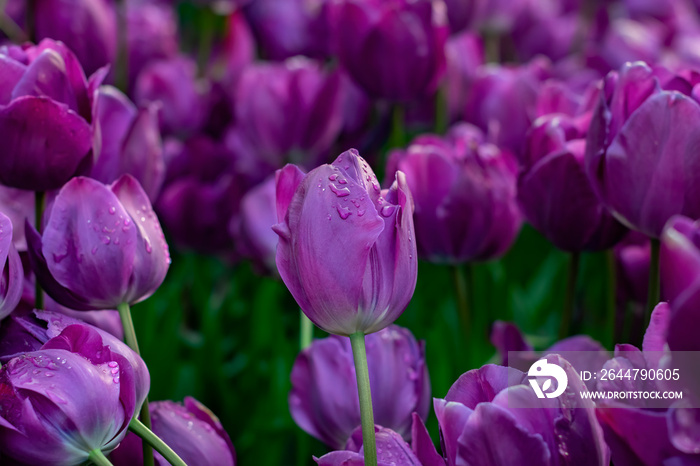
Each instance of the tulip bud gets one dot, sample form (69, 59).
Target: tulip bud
(130, 142)
(46, 116)
(346, 249)
(59, 403)
(102, 245)
(323, 400)
(464, 192)
(191, 430)
(393, 50)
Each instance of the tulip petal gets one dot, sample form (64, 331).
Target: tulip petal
(287, 180)
(422, 444)
(47, 143)
(11, 71)
(152, 256)
(46, 76)
(679, 257)
(480, 385)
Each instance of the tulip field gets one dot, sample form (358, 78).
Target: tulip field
(349, 232)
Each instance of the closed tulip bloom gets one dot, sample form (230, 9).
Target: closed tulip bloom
(46, 116)
(346, 249)
(102, 245)
(12, 277)
(556, 195)
(485, 419)
(190, 429)
(88, 27)
(289, 112)
(392, 450)
(395, 50)
(25, 332)
(640, 151)
(72, 396)
(464, 192)
(174, 84)
(323, 400)
(130, 142)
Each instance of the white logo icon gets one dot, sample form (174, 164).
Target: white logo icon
(543, 369)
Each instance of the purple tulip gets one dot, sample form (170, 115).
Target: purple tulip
(633, 255)
(286, 28)
(638, 433)
(465, 54)
(191, 430)
(201, 194)
(252, 228)
(46, 116)
(151, 35)
(24, 332)
(174, 84)
(235, 52)
(640, 151)
(555, 194)
(87, 27)
(12, 276)
(18, 205)
(464, 191)
(72, 396)
(460, 14)
(130, 142)
(102, 246)
(485, 419)
(502, 102)
(394, 50)
(546, 28)
(392, 450)
(289, 112)
(346, 249)
(323, 400)
(583, 352)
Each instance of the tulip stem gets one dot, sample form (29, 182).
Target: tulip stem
(30, 20)
(10, 28)
(39, 206)
(306, 331)
(121, 65)
(566, 317)
(359, 353)
(99, 458)
(130, 337)
(398, 132)
(462, 281)
(654, 280)
(441, 116)
(206, 39)
(156, 442)
(612, 301)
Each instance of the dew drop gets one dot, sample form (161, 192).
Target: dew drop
(106, 240)
(360, 213)
(340, 192)
(112, 210)
(343, 181)
(112, 364)
(333, 177)
(344, 212)
(94, 250)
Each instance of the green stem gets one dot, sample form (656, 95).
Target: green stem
(492, 46)
(206, 39)
(398, 132)
(39, 206)
(10, 28)
(462, 291)
(130, 337)
(613, 326)
(570, 295)
(121, 66)
(441, 111)
(153, 440)
(366, 414)
(306, 330)
(654, 280)
(99, 458)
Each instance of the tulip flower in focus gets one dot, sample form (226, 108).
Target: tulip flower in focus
(130, 142)
(46, 116)
(101, 246)
(25, 332)
(346, 249)
(12, 277)
(75, 394)
(323, 399)
(394, 50)
(190, 429)
(391, 448)
(641, 148)
(464, 192)
(486, 419)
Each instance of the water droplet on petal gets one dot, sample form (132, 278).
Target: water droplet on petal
(106, 240)
(344, 212)
(387, 210)
(333, 177)
(340, 192)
